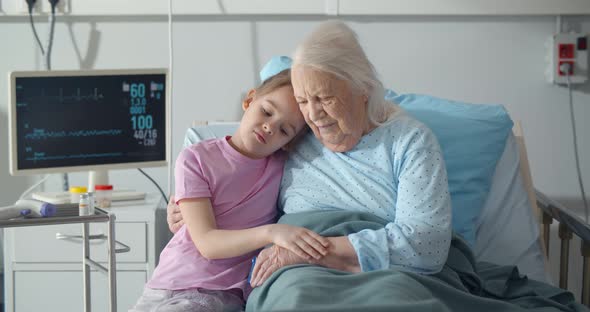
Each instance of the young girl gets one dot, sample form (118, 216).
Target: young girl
(227, 190)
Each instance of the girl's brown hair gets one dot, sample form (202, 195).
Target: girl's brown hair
(277, 81)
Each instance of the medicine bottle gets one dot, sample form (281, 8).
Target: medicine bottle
(104, 195)
(84, 205)
(75, 192)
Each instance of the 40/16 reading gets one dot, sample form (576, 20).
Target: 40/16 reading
(146, 137)
(145, 134)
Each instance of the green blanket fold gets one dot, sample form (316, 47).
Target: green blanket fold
(462, 285)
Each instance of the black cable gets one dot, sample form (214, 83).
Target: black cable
(566, 70)
(51, 32)
(155, 183)
(53, 5)
(31, 4)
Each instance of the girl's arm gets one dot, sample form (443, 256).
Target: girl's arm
(215, 243)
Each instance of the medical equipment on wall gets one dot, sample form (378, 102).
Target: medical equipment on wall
(92, 120)
(570, 49)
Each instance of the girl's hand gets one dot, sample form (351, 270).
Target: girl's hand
(305, 243)
(271, 259)
(173, 216)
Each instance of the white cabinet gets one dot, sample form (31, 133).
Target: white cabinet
(43, 273)
(49, 249)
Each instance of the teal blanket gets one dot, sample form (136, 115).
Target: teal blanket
(462, 285)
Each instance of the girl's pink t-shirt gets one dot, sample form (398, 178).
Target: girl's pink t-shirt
(243, 193)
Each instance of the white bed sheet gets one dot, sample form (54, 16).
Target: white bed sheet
(507, 232)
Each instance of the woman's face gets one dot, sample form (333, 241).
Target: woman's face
(336, 115)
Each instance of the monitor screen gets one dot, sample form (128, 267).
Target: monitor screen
(87, 120)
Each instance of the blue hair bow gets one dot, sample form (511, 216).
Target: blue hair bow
(276, 65)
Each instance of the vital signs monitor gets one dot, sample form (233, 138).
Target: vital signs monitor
(62, 121)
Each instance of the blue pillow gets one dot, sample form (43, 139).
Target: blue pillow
(472, 139)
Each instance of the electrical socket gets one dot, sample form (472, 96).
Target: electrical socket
(567, 48)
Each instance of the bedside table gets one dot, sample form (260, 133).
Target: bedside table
(43, 273)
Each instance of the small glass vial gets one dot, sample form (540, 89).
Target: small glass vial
(84, 205)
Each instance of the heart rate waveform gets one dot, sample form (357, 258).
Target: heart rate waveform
(79, 97)
(42, 156)
(42, 134)
(63, 97)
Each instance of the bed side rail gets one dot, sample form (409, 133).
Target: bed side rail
(569, 224)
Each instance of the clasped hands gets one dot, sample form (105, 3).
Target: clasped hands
(273, 258)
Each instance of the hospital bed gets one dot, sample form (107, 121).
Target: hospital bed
(514, 222)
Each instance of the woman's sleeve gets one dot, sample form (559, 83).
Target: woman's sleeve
(418, 239)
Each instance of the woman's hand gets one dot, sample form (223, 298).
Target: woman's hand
(341, 256)
(271, 259)
(173, 216)
(305, 243)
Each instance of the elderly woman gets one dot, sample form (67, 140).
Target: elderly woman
(365, 155)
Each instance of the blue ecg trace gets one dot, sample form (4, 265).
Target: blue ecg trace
(39, 134)
(34, 158)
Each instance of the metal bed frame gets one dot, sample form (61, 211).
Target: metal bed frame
(569, 224)
(87, 263)
(546, 210)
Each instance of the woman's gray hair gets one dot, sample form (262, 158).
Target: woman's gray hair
(333, 47)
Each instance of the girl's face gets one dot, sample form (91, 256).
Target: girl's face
(270, 121)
